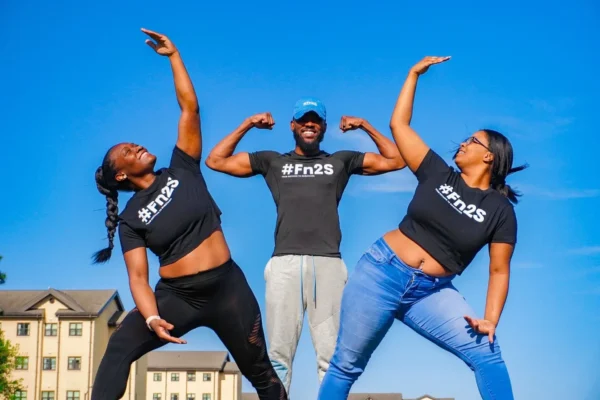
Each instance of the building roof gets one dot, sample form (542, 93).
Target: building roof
(426, 397)
(79, 303)
(231, 367)
(190, 361)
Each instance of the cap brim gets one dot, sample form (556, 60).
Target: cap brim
(302, 113)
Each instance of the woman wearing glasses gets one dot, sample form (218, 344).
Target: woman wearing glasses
(407, 274)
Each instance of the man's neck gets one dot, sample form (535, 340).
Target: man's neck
(300, 152)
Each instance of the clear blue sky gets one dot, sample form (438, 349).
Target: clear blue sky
(78, 78)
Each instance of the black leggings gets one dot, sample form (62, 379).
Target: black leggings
(219, 299)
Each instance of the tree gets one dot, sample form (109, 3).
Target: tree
(8, 359)
(2, 275)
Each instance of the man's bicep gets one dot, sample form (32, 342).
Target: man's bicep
(375, 164)
(237, 165)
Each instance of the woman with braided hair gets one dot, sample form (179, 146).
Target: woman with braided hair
(407, 273)
(173, 214)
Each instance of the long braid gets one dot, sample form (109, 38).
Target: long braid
(112, 216)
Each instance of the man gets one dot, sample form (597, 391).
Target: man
(306, 271)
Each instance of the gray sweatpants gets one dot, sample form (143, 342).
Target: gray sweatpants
(295, 284)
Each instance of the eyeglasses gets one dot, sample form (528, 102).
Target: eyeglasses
(473, 139)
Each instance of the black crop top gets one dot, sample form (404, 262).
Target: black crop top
(452, 221)
(173, 215)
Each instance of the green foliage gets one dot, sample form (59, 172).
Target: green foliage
(2, 275)
(8, 354)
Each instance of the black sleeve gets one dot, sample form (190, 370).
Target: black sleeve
(506, 228)
(353, 160)
(182, 160)
(431, 165)
(260, 161)
(129, 238)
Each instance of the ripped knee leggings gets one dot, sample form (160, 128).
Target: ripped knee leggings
(219, 299)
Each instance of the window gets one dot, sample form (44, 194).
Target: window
(23, 330)
(205, 396)
(49, 364)
(157, 377)
(174, 396)
(75, 329)
(20, 395)
(175, 377)
(74, 363)
(22, 363)
(191, 376)
(72, 394)
(191, 396)
(206, 377)
(47, 395)
(50, 330)
(156, 396)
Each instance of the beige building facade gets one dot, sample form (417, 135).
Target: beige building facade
(61, 337)
(192, 375)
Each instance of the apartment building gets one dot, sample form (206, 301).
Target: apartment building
(192, 375)
(61, 337)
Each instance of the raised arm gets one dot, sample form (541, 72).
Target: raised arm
(189, 137)
(143, 296)
(387, 160)
(412, 148)
(222, 159)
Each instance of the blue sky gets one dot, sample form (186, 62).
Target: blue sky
(78, 78)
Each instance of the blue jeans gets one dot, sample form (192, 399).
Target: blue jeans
(383, 288)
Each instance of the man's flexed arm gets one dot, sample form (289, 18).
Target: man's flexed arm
(387, 160)
(222, 159)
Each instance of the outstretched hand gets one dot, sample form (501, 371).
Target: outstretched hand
(262, 121)
(162, 45)
(162, 328)
(482, 327)
(350, 123)
(422, 66)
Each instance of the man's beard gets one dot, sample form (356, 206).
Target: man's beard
(309, 148)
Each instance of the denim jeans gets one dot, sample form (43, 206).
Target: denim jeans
(383, 288)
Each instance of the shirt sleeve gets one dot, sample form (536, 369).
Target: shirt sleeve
(506, 229)
(129, 238)
(260, 161)
(353, 161)
(431, 165)
(182, 160)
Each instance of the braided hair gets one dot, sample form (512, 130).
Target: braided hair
(108, 186)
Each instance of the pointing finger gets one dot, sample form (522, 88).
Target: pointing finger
(469, 320)
(152, 34)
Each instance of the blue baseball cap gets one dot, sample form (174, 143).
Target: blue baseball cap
(308, 104)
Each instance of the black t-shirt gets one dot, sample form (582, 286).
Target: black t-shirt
(452, 221)
(173, 215)
(307, 191)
